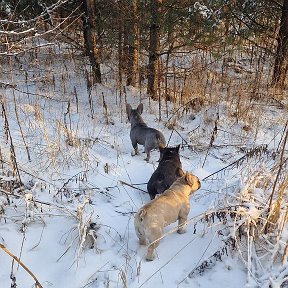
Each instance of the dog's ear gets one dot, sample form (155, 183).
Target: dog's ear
(179, 172)
(142, 212)
(128, 109)
(177, 148)
(161, 149)
(189, 178)
(140, 108)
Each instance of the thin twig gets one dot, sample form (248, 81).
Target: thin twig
(70, 179)
(212, 139)
(12, 149)
(183, 139)
(130, 185)
(170, 137)
(165, 264)
(237, 161)
(36, 201)
(28, 173)
(37, 283)
(183, 106)
(207, 247)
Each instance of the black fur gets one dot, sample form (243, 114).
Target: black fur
(168, 170)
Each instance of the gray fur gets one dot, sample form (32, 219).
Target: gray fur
(141, 134)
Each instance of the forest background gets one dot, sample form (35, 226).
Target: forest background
(201, 68)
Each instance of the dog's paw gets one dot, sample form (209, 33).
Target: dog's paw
(147, 159)
(181, 231)
(149, 258)
(133, 153)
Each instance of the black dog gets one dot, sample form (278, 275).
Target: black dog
(168, 170)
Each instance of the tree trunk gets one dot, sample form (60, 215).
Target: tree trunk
(90, 38)
(126, 32)
(281, 61)
(154, 49)
(133, 46)
(120, 29)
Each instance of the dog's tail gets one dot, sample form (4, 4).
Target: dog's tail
(161, 141)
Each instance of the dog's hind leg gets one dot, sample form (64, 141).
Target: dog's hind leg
(147, 151)
(153, 238)
(135, 147)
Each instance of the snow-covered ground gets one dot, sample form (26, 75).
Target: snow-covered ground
(78, 230)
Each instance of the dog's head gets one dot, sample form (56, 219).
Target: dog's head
(169, 152)
(134, 115)
(189, 179)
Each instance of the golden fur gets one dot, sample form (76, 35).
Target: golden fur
(169, 207)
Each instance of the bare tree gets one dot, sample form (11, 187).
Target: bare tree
(154, 48)
(120, 43)
(133, 45)
(90, 38)
(281, 60)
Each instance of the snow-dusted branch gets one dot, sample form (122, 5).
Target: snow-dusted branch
(24, 31)
(18, 33)
(22, 23)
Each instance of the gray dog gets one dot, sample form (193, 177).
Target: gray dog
(142, 134)
(167, 171)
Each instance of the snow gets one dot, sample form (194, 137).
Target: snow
(78, 190)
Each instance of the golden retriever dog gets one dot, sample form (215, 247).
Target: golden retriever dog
(169, 207)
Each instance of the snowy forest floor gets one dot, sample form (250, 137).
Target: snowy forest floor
(72, 223)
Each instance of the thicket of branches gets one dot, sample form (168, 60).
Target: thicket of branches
(146, 36)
